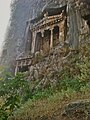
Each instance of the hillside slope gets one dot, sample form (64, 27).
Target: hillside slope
(61, 95)
(58, 81)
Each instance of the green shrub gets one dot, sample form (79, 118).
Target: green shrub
(74, 84)
(41, 94)
(14, 90)
(3, 114)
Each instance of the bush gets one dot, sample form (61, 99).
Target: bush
(14, 90)
(74, 84)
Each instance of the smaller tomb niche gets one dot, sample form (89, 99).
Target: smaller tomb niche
(23, 68)
(87, 18)
(87, 21)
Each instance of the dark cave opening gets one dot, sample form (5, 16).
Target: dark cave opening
(87, 18)
(24, 68)
(38, 42)
(88, 22)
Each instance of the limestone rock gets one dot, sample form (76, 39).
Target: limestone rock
(79, 110)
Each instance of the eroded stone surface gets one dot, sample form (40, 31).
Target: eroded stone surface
(79, 110)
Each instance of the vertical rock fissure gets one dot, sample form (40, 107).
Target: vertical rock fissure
(73, 27)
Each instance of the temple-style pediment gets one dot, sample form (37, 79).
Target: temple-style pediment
(50, 12)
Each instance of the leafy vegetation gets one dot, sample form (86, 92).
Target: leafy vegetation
(18, 95)
(72, 83)
(13, 92)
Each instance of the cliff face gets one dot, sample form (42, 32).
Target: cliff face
(21, 11)
(67, 61)
(44, 66)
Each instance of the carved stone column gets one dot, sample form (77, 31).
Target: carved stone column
(51, 39)
(42, 32)
(16, 69)
(61, 33)
(33, 42)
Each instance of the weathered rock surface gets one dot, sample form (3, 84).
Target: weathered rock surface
(79, 110)
(21, 12)
(45, 68)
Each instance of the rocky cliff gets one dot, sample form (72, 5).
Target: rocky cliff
(21, 11)
(70, 62)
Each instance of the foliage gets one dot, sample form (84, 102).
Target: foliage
(41, 94)
(53, 105)
(84, 69)
(72, 80)
(3, 114)
(73, 84)
(14, 90)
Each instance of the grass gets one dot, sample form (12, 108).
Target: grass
(72, 85)
(50, 106)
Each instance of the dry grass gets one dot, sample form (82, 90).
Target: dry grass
(50, 107)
